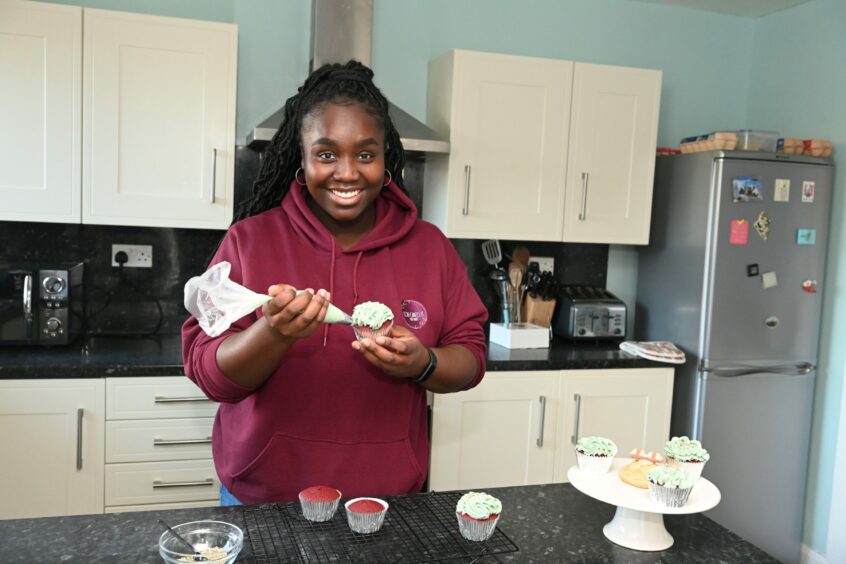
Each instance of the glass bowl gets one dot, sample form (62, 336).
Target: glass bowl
(205, 536)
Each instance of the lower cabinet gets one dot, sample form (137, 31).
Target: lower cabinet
(519, 428)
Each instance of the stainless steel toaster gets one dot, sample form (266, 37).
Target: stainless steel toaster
(590, 313)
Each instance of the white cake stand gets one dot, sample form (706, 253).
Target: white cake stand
(639, 521)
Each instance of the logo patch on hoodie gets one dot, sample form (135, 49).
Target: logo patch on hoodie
(414, 313)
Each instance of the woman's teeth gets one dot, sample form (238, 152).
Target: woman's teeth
(346, 194)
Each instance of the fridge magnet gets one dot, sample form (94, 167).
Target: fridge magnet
(769, 280)
(806, 236)
(751, 270)
(782, 190)
(807, 191)
(739, 232)
(746, 189)
(771, 322)
(809, 286)
(762, 225)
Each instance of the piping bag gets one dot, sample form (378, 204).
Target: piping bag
(217, 302)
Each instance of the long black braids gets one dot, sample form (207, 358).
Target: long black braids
(330, 83)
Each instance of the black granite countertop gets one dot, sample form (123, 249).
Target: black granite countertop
(547, 523)
(161, 355)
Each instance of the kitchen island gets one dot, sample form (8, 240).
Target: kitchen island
(547, 523)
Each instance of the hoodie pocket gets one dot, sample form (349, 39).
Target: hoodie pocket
(288, 464)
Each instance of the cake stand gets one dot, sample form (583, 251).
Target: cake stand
(639, 521)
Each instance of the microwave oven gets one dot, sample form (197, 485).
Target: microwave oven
(40, 304)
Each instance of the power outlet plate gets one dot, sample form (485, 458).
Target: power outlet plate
(546, 264)
(140, 256)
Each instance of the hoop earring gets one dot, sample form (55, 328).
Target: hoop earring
(390, 178)
(297, 177)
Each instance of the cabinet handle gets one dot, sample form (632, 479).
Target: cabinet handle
(214, 175)
(159, 442)
(575, 437)
(160, 484)
(466, 209)
(542, 417)
(583, 213)
(79, 414)
(163, 399)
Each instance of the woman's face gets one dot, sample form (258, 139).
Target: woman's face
(343, 160)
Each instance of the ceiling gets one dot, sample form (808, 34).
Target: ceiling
(746, 8)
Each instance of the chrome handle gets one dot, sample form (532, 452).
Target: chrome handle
(796, 370)
(214, 175)
(158, 442)
(575, 437)
(542, 417)
(466, 209)
(79, 414)
(160, 484)
(583, 213)
(163, 399)
(27, 296)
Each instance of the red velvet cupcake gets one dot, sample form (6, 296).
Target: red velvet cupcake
(366, 514)
(319, 503)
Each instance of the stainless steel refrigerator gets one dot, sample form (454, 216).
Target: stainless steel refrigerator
(734, 275)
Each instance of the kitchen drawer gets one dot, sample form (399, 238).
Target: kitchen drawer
(148, 440)
(161, 482)
(161, 506)
(153, 398)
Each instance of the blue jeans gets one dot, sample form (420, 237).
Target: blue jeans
(226, 498)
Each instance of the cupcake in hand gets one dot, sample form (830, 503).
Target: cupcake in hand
(669, 486)
(477, 514)
(595, 454)
(371, 320)
(686, 454)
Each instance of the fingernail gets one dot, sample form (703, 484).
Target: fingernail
(323, 293)
(381, 340)
(310, 291)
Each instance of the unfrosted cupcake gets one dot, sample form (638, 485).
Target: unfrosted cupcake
(686, 454)
(371, 320)
(595, 454)
(319, 503)
(669, 486)
(365, 515)
(477, 514)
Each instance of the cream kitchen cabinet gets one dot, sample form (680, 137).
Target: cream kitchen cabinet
(541, 149)
(52, 440)
(490, 436)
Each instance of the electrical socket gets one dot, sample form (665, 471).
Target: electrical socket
(140, 256)
(546, 264)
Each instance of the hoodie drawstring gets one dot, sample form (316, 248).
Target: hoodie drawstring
(355, 277)
(331, 290)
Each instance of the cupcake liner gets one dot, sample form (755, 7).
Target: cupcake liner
(474, 530)
(362, 332)
(693, 468)
(594, 464)
(669, 497)
(366, 523)
(319, 510)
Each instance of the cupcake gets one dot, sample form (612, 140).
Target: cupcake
(477, 514)
(595, 454)
(686, 454)
(365, 515)
(670, 486)
(371, 320)
(319, 503)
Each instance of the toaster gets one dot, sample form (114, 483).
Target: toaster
(590, 313)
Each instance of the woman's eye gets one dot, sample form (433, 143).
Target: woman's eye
(326, 156)
(366, 156)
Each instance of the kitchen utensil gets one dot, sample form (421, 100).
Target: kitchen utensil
(197, 556)
(492, 251)
(215, 541)
(515, 275)
(502, 285)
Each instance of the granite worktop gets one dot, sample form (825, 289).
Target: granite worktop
(161, 355)
(547, 523)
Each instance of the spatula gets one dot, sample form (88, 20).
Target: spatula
(492, 252)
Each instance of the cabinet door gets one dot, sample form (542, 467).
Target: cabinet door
(509, 118)
(500, 433)
(629, 406)
(52, 440)
(159, 121)
(40, 109)
(613, 135)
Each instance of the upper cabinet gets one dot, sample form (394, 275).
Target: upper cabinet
(157, 100)
(541, 149)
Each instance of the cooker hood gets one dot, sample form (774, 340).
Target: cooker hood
(343, 30)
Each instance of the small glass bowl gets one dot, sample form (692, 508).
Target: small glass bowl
(203, 535)
(362, 332)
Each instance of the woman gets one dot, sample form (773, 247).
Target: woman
(304, 403)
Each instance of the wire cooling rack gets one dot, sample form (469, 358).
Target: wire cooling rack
(418, 528)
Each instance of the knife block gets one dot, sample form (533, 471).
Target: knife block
(537, 311)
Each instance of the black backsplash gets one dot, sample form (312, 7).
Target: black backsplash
(127, 301)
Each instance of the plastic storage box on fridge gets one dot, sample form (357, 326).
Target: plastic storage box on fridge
(751, 140)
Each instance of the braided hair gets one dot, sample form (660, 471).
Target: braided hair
(330, 83)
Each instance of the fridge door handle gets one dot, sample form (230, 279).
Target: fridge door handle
(799, 369)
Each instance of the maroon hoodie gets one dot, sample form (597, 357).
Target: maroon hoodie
(326, 416)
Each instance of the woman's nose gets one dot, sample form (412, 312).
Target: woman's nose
(346, 169)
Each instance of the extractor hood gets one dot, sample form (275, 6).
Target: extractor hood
(343, 30)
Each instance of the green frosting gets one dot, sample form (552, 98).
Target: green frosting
(371, 314)
(596, 446)
(686, 450)
(670, 477)
(478, 505)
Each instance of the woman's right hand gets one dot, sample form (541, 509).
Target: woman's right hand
(290, 316)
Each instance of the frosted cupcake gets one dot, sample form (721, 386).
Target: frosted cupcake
(365, 515)
(319, 503)
(669, 486)
(595, 454)
(686, 454)
(371, 320)
(477, 514)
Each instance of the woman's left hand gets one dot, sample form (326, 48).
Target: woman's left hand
(401, 354)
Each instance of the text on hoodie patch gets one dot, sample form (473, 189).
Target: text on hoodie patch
(414, 313)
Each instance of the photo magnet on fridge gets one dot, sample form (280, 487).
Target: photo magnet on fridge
(806, 236)
(807, 191)
(751, 270)
(809, 286)
(746, 189)
(762, 225)
(769, 280)
(739, 232)
(781, 193)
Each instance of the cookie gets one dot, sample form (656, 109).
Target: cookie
(635, 473)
